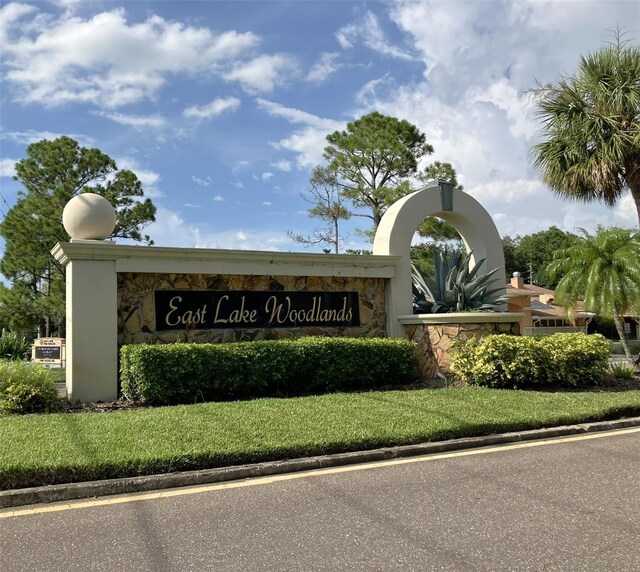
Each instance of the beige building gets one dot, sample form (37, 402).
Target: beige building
(541, 315)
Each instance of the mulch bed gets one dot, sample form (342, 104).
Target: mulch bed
(608, 385)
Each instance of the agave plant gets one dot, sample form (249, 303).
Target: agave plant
(456, 287)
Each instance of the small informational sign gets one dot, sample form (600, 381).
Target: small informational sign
(49, 352)
(627, 328)
(206, 309)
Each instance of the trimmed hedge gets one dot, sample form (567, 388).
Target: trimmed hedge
(186, 373)
(504, 361)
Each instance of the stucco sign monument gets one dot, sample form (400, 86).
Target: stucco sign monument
(119, 294)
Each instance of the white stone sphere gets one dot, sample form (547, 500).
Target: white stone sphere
(88, 216)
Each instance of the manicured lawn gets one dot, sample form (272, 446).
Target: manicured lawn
(45, 449)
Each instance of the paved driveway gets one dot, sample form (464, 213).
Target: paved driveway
(567, 504)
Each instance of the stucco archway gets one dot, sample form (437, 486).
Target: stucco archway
(399, 224)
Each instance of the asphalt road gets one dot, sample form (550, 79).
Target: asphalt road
(567, 504)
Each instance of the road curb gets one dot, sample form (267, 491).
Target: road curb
(89, 489)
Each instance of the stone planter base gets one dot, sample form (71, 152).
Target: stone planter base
(436, 334)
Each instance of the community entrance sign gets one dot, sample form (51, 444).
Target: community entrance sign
(119, 294)
(206, 309)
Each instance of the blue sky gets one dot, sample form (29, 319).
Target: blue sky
(222, 108)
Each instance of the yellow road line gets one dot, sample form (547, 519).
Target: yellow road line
(259, 481)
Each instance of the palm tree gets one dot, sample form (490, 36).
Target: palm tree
(602, 270)
(591, 122)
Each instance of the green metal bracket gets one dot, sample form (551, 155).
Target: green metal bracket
(446, 195)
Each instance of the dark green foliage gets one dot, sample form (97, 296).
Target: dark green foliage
(590, 122)
(535, 252)
(622, 370)
(455, 287)
(515, 362)
(14, 347)
(372, 160)
(27, 388)
(52, 173)
(602, 271)
(438, 171)
(185, 373)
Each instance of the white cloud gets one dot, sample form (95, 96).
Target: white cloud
(263, 73)
(294, 115)
(282, 165)
(307, 142)
(625, 213)
(192, 206)
(202, 182)
(136, 121)
(216, 107)
(473, 44)
(11, 13)
(237, 184)
(240, 166)
(148, 178)
(326, 65)
(266, 176)
(218, 199)
(372, 88)
(8, 167)
(107, 61)
(267, 204)
(33, 136)
(170, 229)
(518, 107)
(368, 31)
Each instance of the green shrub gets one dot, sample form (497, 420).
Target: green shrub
(622, 370)
(517, 361)
(184, 373)
(27, 388)
(14, 347)
(575, 359)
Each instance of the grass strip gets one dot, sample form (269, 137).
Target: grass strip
(47, 449)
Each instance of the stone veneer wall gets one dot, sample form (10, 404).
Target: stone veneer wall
(136, 314)
(436, 340)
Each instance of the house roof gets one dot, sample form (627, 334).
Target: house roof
(530, 290)
(544, 309)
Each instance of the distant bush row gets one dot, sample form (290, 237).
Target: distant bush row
(514, 362)
(184, 373)
(27, 388)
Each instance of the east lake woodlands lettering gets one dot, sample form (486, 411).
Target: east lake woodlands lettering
(206, 309)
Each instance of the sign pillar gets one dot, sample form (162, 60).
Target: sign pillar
(92, 300)
(92, 330)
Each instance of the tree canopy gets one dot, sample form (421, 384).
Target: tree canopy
(372, 160)
(52, 173)
(602, 270)
(591, 123)
(534, 252)
(328, 206)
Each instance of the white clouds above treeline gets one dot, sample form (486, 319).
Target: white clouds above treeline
(109, 62)
(244, 105)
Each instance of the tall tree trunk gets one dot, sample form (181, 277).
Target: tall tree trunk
(623, 337)
(337, 236)
(634, 184)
